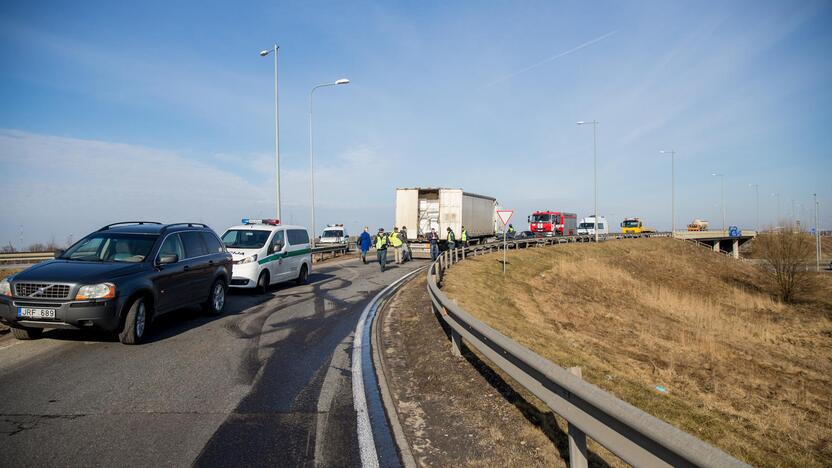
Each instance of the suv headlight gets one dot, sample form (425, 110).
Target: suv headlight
(96, 291)
(5, 288)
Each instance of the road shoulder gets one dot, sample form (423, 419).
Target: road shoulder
(452, 412)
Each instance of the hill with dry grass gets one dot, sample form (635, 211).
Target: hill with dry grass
(740, 370)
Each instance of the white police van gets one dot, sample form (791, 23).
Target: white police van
(266, 252)
(334, 234)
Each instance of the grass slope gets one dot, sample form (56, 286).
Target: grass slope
(742, 371)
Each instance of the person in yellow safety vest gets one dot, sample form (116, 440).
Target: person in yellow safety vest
(511, 230)
(463, 237)
(451, 239)
(397, 245)
(381, 248)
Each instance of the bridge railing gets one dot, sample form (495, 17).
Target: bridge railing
(630, 433)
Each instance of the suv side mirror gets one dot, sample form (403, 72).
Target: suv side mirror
(168, 259)
(274, 248)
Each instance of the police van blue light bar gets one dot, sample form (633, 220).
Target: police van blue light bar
(271, 222)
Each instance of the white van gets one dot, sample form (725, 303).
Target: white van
(266, 252)
(587, 226)
(334, 234)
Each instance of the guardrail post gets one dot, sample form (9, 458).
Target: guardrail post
(456, 342)
(577, 438)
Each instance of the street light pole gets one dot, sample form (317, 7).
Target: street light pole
(311, 152)
(672, 189)
(594, 172)
(722, 181)
(276, 133)
(757, 193)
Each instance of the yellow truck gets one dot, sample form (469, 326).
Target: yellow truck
(634, 226)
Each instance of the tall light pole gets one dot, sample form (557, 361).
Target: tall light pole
(757, 194)
(672, 154)
(342, 81)
(722, 180)
(264, 53)
(594, 171)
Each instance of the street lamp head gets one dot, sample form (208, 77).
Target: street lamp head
(342, 81)
(716, 174)
(264, 53)
(580, 122)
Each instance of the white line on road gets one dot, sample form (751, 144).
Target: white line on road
(366, 443)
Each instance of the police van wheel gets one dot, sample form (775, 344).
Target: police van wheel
(303, 275)
(263, 282)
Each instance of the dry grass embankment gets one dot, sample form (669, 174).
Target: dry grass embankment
(743, 372)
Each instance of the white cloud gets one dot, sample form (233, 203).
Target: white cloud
(56, 186)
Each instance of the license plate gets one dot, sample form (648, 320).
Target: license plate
(28, 312)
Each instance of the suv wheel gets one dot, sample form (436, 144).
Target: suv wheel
(303, 275)
(216, 300)
(263, 283)
(135, 323)
(22, 333)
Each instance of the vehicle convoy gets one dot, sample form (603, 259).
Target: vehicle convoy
(587, 226)
(266, 252)
(698, 225)
(423, 209)
(634, 226)
(119, 279)
(553, 223)
(334, 234)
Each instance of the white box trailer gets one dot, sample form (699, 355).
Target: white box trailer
(441, 208)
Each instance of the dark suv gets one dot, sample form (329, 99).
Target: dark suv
(118, 279)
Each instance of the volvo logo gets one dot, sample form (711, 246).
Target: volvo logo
(39, 292)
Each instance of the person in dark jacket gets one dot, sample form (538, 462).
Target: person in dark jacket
(364, 243)
(433, 238)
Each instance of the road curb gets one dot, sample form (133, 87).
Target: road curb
(381, 376)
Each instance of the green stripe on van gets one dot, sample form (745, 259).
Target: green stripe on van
(277, 256)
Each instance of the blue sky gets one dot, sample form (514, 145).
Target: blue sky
(164, 111)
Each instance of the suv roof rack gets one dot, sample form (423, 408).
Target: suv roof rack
(128, 222)
(168, 226)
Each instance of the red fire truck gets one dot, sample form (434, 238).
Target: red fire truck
(553, 223)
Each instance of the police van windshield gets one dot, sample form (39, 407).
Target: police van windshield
(245, 238)
(333, 234)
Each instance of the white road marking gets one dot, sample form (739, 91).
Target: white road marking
(366, 442)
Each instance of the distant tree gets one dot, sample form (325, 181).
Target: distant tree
(9, 248)
(786, 250)
(36, 247)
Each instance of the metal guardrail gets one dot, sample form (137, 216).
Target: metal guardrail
(630, 433)
(37, 257)
(333, 250)
(25, 257)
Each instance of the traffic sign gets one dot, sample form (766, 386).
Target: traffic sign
(505, 215)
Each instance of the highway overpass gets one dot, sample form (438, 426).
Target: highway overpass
(720, 241)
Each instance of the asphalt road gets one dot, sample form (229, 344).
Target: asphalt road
(268, 383)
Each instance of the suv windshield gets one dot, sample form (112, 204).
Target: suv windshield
(245, 238)
(111, 247)
(333, 234)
